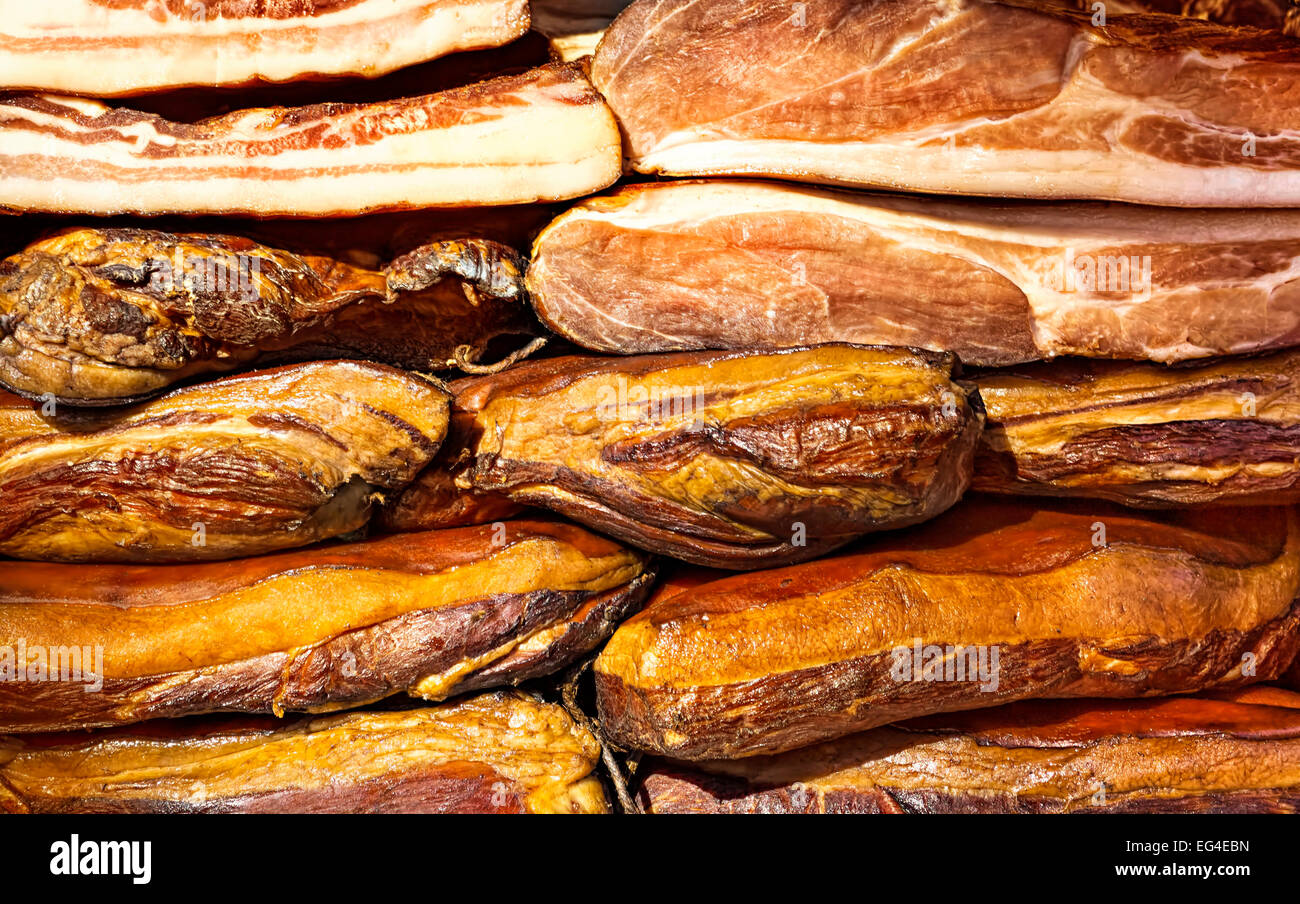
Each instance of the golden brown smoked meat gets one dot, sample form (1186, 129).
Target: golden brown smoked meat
(236, 467)
(1174, 755)
(433, 614)
(1144, 435)
(729, 459)
(1278, 15)
(495, 753)
(996, 601)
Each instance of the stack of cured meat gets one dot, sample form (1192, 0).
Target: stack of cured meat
(915, 429)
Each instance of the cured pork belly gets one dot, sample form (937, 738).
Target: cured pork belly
(542, 135)
(236, 467)
(1144, 435)
(996, 601)
(115, 47)
(1176, 755)
(731, 264)
(94, 316)
(432, 614)
(958, 97)
(727, 459)
(495, 753)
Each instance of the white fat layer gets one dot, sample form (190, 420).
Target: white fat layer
(542, 149)
(116, 51)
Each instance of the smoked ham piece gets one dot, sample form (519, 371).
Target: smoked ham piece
(727, 459)
(114, 47)
(495, 753)
(729, 264)
(1145, 435)
(433, 614)
(95, 316)
(543, 135)
(236, 467)
(1175, 755)
(996, 601)
(958, 97)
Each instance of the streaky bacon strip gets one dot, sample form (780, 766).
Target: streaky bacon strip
(967, 97)
(542, 135)
(110, 48)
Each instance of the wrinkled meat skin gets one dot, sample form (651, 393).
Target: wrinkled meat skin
(1219, 434)
(731, 460)
(109, 316)
(235, 467)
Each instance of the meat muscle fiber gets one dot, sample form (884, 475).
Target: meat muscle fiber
(730, 264)
(958, 97)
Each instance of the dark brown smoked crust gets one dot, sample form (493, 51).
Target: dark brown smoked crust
(795, 709)
(841, 464)
(361, 665)
(929, 765)
(445, 788)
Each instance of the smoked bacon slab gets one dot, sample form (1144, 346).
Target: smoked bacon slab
(728, 264)
(1145, 435)
(495, 753)
(116, 47)
(958, 97)
(98, 316)
(433, 614)
(236, 467)
(542, 135)
(728, 459)
(1173, 755)
(996, 601)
